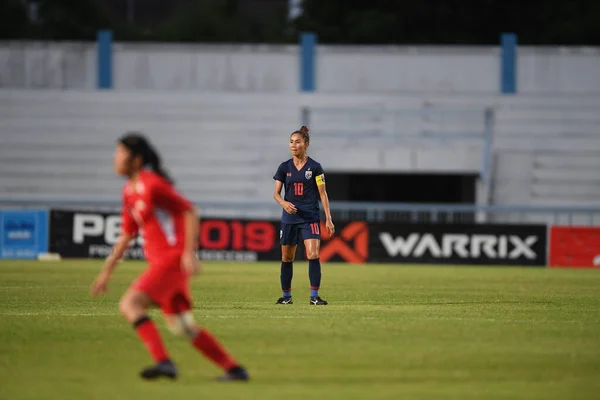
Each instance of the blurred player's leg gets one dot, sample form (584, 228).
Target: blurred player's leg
(176, 308)
(207, 344)
(182, 324)
(134, 306)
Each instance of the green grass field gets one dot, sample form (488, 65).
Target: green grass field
(390, 332)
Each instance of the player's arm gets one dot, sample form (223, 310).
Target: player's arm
(192, 229)
(286, 205)
(100, 285)
(320, 180)
(279, 179)
(128, 231)
(189, 259)
(117, 252)
(325, 202)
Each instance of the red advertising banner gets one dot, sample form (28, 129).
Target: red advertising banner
(574, 247)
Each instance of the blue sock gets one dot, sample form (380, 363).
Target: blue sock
(287, 272)
(314, 275)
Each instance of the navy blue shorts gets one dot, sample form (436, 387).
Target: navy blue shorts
(290, 233)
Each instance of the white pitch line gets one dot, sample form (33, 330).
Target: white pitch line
(39, 314)
(34, 314)
(46, 287)
(200, 317)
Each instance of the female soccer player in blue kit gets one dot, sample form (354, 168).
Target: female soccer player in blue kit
(304, 182)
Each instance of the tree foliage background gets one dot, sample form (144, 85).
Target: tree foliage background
(537, 22)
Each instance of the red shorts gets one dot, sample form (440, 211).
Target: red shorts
(166, 284)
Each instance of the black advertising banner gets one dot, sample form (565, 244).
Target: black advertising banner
(83, 234)
(459, 244)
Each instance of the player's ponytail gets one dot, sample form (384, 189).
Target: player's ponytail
(138, 145)
(153, 160)
(304, 132)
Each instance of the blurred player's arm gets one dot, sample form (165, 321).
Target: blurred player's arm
(189, 260)
(118, 251)
(129, 229)
(100, 284)
(192, 229)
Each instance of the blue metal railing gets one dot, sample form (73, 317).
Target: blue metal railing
(457, 213)
(373, 212)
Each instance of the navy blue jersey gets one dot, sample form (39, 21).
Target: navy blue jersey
(301, 189)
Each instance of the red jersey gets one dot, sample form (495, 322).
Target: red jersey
(153, 206)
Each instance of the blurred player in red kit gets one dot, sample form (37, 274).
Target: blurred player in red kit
(170, 229)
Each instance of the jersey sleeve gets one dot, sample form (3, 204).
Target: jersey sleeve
(165, 196)
(280, 174)
(319, 175)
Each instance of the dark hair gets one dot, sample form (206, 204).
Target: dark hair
(138, 145)
(304, 132)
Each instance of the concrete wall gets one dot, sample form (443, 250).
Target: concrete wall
(572, 70)
(275, 69)
(394, 69)
(207, 68)
(47, 65)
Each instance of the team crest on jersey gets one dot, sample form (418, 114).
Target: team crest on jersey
(308, 174)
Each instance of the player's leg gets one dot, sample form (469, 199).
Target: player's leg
(312, 244)
(180, 321)
(153, 286)
(289, 243)
(134, 306)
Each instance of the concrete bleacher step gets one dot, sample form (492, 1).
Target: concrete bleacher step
(567, 160)
(64, 159)
(573, 190)
(387, 142)
(55, 155)
(63, 199)
(590, 145)
(113, 128)
(107, 137)
(56, 182)
(58, 171)
(249, 116)
(547, 114)
(542, 130)
(566, 175)
(109, 187)
(83, 174)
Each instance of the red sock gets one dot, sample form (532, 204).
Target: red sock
(147, 331)
(208, 345)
